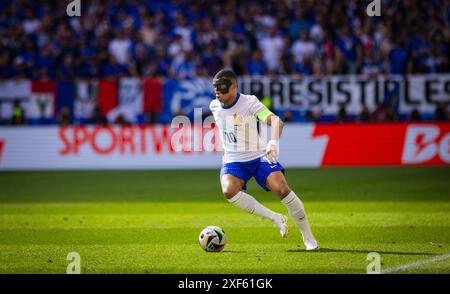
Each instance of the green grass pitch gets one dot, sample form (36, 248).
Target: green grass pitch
(149, 221)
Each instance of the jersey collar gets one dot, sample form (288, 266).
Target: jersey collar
(232, 104)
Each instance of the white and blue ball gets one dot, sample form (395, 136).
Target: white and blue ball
(212, 239)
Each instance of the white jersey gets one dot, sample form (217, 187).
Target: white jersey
(239, 129)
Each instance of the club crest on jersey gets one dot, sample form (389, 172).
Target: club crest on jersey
(237, 119)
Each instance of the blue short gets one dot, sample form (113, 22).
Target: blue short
(259, 168)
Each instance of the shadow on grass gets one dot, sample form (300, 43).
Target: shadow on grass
(331, 250)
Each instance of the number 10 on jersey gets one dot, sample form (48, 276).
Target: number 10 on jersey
(229, 137)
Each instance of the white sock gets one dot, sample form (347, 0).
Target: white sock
(297, 211)
(251, 205)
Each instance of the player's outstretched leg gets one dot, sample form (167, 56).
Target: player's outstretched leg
(251, 205)
(231, 187)
(277, 183)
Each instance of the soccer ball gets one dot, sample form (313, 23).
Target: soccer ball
(212, 239)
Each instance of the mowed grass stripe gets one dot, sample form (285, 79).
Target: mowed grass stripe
(326, 184)
(240, 258)
(236, 219)
(238, 235)
(222, 207)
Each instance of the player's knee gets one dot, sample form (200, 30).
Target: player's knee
(283, 191)
(229, 191)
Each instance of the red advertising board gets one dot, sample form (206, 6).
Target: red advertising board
(385, 144)
(161, 146)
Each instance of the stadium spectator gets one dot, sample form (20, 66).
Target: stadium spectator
(6, 69)
(18, 114)
(64, 117)
(287, 116)
(303, 48)
(303, 51)
(365, 116)
(342, 116)
(141, 65)
(45, 59)
(21, 70)
(313, 115)
(441, 114)
(97, 118)
(299, 24)
(42, 74)
(235, 56)
(420, 49)
(183, 29)
(66, 71)
(272, 46)
(438, 59)
(112, 69)
(415, 116)
(304, 68)
(379, 114)
(175, 49)
(121, 120)
(372, 65)
(256, 64)
(31, 23)
(119, 47)
(327, 53)
(391, 115)
(399, 58)
(348, 51)
(186, 66)
(212, 60)
(317, 29)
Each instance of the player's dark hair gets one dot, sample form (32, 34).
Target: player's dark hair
(226, 74)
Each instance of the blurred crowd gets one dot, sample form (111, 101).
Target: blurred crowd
(182, 39)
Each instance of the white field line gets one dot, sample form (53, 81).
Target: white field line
(415, 264)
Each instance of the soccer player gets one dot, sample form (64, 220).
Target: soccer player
(246, 155)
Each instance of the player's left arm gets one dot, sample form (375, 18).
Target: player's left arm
(276, 126)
